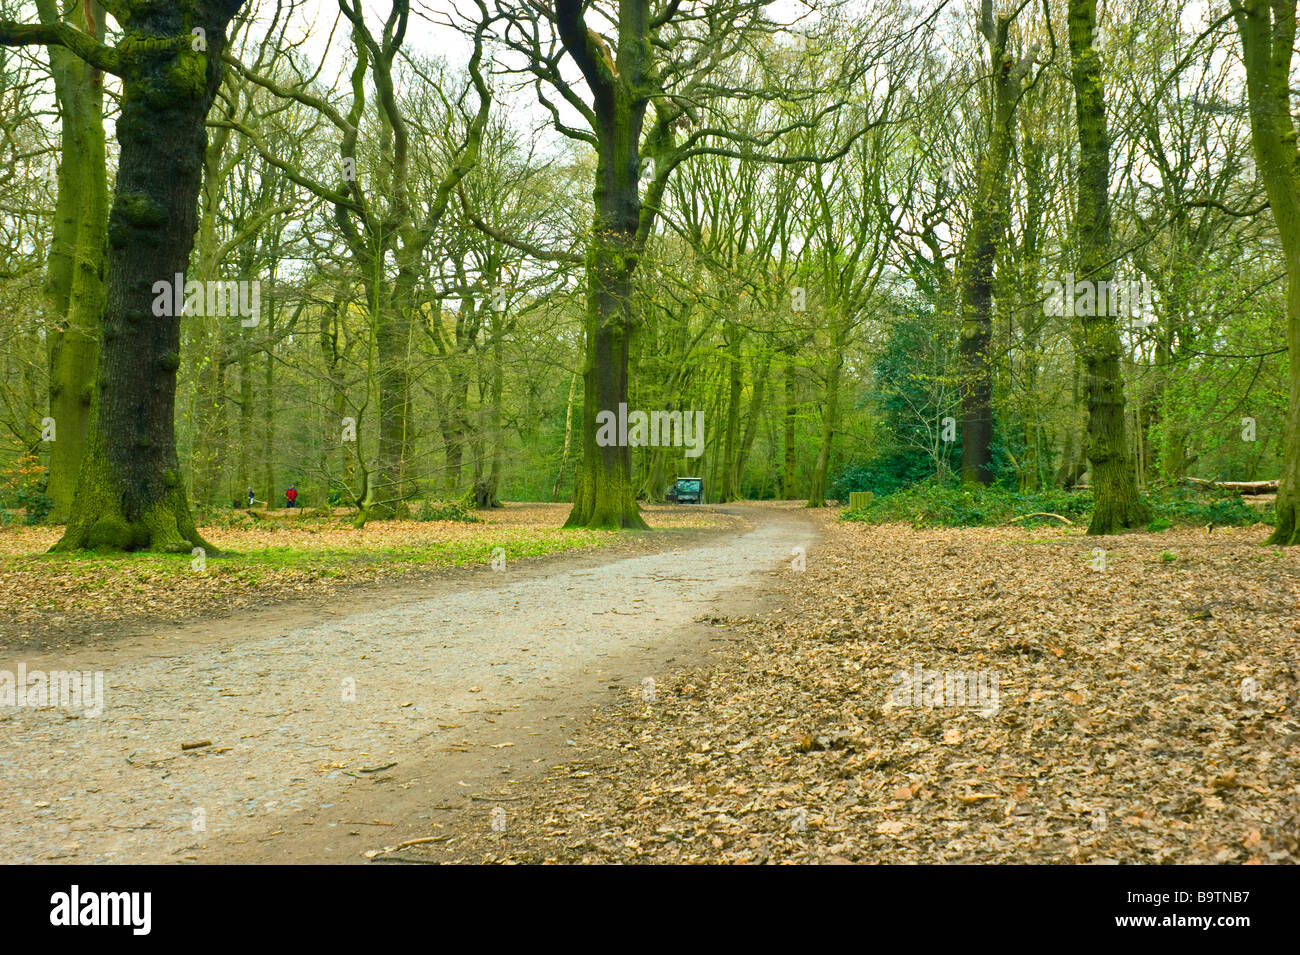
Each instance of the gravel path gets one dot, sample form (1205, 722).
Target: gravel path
(311, 714)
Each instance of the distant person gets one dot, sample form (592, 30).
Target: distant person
(250, 497)
(291, 496)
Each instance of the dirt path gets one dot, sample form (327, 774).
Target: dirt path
(333, 731)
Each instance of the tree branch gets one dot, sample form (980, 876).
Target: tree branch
(97, 54)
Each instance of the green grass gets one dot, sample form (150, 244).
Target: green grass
(252, 565)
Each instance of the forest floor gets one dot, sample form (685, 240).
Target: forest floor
(1147, 710)
(736, 697)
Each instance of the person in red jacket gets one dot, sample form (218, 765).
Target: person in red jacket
(291, 496)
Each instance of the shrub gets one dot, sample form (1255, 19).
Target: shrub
(461, 510)
(22, 485)
(1179, 506)
(953, 505)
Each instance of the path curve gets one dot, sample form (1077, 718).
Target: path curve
(453, 691)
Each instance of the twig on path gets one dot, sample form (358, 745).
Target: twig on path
(406, 859)
(375, 854)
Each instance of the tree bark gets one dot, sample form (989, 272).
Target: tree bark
(787, 442)
(1267, 33)
(735, 385)
(830, 417)
(1117, 503)
(78, 247)
(568, 436)
(751, 426)
(130, 495)
(273, 494)
(988, 226)
(603, 494)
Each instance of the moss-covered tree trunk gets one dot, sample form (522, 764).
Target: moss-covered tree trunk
(75, 276)
(392, 347)
(1115, 491)
(205, 337)
(394, 325)
(1267, 33)
(830, 415)
(130, 495)
(485, 492)
(274, 495)
(454, 422)
(603, 492)
(335, 448)
(245, 480)
(756, 407)
(732, 335)
(987, 230)
(791, 418)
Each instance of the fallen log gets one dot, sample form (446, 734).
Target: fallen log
(1242, 487)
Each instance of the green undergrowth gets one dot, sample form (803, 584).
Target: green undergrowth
(947, 505)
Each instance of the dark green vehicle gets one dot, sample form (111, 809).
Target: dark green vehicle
(687, 490)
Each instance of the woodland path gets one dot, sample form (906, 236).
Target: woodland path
(458, 686)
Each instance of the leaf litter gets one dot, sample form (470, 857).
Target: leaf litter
(1145, 713)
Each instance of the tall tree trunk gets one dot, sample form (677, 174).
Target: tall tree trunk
(273, 495)
(568, 435)
(1267, 33)
(830, 416)
(485, 494)
(1032, 153)
(1117, 503)
(130, 495)
(603, 492)
(988, 226)
(751, 426)
(205, 338)
(787, 442)
(393, 343)
(245, 415)
(455, 418)
(75, 276)
(735, 387)
(329, 327)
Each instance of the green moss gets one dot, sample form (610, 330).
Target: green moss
(140, 209)
(113, 533)
(189, 75)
